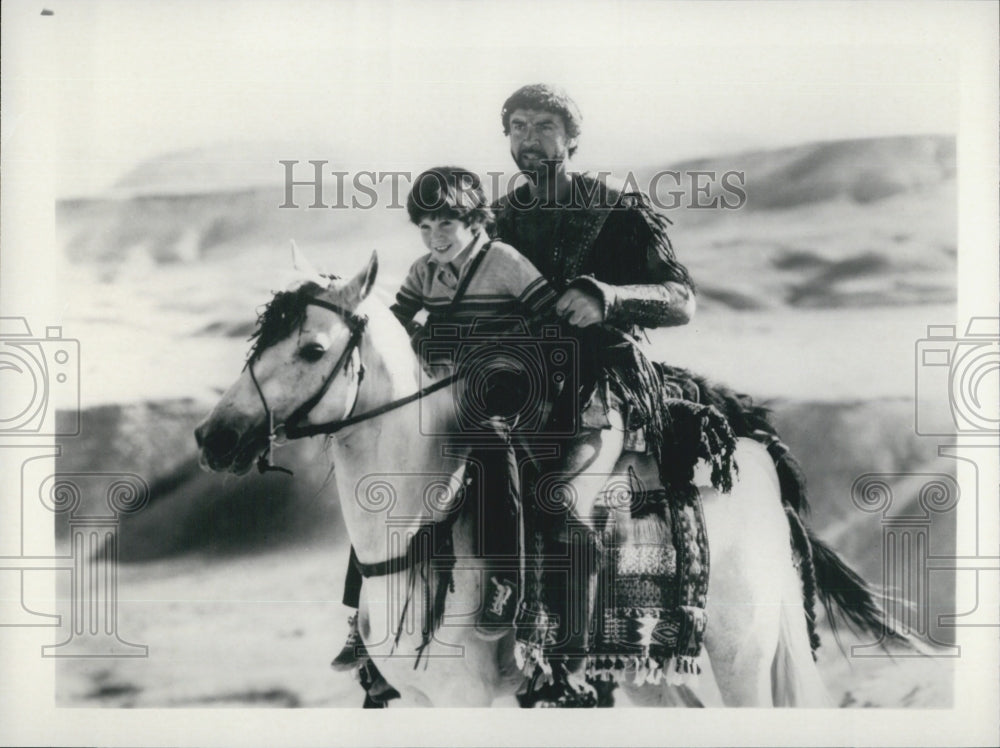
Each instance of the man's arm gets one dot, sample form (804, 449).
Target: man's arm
(662, 293)
(665, 304)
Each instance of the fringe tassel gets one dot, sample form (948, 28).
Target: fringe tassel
(536, 632)
(680, 670)
(532, 662)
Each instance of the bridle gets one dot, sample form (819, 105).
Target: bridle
(433, 539)
(291, 428)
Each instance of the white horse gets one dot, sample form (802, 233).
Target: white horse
(338, 356)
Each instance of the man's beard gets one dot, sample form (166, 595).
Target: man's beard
(539, 168)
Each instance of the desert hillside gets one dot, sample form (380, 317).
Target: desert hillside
(811, 298)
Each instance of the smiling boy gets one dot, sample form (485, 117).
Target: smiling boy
(465, 278)
(449, 207)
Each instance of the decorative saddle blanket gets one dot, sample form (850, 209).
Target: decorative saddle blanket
(653, 566)
(652, 591)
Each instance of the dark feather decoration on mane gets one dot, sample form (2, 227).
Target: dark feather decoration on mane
(283, 314)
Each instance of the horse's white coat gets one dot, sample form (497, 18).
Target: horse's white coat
(756, 640)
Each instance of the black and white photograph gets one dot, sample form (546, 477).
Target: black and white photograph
(475, 357)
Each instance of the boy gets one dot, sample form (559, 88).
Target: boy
(465, 278)
(449, 207)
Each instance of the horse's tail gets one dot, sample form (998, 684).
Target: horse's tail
(848, 598)
(845, 595)
(842, 591)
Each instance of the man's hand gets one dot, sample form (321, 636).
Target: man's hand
(580, 308)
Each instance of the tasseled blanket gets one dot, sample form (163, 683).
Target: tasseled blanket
(654, 581)
(652, 592)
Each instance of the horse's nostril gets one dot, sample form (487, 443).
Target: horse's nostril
(199, 435)
(221, 442)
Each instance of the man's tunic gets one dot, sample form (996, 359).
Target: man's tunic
(612, 244)
(600, 232)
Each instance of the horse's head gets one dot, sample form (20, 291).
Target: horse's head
(304, 368)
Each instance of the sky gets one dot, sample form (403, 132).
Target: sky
(413, 85)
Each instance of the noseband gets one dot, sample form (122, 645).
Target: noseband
(291, 427)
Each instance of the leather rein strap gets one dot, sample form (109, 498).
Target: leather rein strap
(332, 427)
(429, 541)
(297, 432)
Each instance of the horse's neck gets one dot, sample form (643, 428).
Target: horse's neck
(393, 470)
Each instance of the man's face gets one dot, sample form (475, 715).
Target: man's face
(537, 136)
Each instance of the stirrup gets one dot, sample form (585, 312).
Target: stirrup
(353, 653)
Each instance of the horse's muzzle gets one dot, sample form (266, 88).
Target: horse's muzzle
(218, 446)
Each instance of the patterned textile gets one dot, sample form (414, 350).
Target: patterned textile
(652, 591)
(652, 562)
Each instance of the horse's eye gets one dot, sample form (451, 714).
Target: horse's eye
(312, 352)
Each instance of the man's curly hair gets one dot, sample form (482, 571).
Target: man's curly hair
(546, 98)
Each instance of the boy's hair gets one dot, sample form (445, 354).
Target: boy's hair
(449, 192)
(545, 98)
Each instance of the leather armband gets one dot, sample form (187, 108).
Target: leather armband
(647, 305)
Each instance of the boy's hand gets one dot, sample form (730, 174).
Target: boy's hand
(579, 308)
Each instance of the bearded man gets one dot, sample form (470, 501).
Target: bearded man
(605, 250)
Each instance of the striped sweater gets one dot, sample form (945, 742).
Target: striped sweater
(505, 284)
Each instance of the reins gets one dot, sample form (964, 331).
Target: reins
(289, 427)
(332, 427)
(357, 324)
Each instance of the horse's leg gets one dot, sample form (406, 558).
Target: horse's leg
(795, 678)
(409, 698)
(749, 537)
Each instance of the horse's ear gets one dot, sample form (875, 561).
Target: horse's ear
(361, 284)
(302, 264)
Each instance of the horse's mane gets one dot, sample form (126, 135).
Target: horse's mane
(281, 316)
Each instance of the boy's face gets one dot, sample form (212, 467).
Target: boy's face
(537, 136)
(445, 237)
